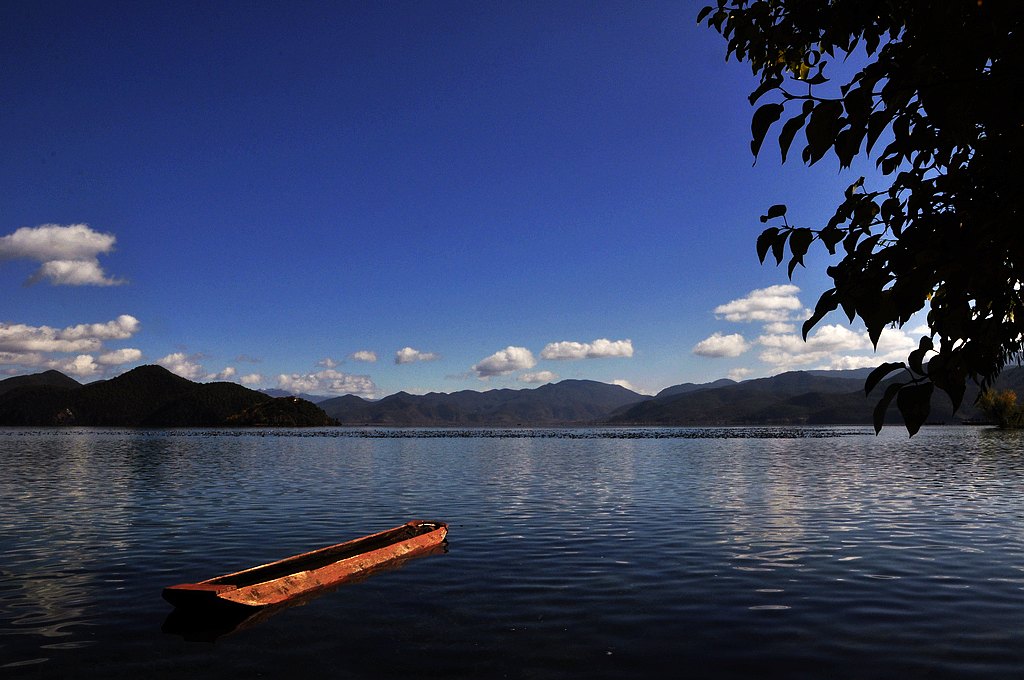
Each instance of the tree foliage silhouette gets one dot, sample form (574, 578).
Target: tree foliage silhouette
(936, 85)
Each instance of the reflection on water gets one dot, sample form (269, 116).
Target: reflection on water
(604, 553)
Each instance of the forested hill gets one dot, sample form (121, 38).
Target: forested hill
(147, 396)
(50, 378)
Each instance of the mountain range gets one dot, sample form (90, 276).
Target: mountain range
(151, 396)
(147, 396)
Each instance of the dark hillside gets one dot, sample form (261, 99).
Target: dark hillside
(282, 412)
(49, 378)
(147, 396)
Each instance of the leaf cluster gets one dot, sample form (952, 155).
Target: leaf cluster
(936, 89)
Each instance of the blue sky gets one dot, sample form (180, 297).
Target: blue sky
(383, 196)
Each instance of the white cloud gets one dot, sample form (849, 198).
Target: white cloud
(622, 382)
(82, 365)
(118, 357)
(328, 381)
(19, 338)
(894, 339)
(598, 349)
(73, 273)
(832, 338)
(739, 374)
(364, 355)
(187, 366)
(778, 327)
(772, 304)
(408, 355)
(251, 379)
(68, 253)
(327, 362)
(719, 345)
(124, 326)
(21, 359)
(505, 361)
(538, 377)
(834, 346)
(227, 374)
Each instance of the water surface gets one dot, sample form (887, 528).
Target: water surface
(598, 553)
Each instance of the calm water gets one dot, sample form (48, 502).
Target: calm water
(615, 554)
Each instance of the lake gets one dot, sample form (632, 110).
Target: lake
(720, 553)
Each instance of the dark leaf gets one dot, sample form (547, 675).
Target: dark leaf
(876, 123)
(703, 13)
(779, 246)
(799, 242)
(764, 242)
(789, 131)
(822, 128)
(759, 124)
(914, 403)
(776, 211)
(878, 417)
(879, 373)
(916, 358)
(826, 303)
(765, 86)
(830, 237)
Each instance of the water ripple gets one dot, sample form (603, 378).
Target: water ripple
(603, 552)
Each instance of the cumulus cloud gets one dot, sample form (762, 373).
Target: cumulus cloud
(20, 338)
(832, 338)
(622, 382)
(505, 361)
(538, 377)
(408, 355)
(82, 366)
(68, 254)
(118, 357)
(327, 362)
(227, 374)
(124, 326)
(772, 304)
(187, 366)
(364, 355)
(719, 345)
(328, 381)
(777, 327)
(834, 346)
(251, 379)
(739, 374)
(598, 349)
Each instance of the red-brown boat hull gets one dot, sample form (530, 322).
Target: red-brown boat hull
(301, 575)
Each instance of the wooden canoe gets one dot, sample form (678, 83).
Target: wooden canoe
(294, 577)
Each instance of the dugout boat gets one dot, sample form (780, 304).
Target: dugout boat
(299, 576)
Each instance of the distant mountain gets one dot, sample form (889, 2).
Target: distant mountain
(147, 396)
(693, 387)
(569, 402)
(795, 398)
(151, 396)
(49, 378)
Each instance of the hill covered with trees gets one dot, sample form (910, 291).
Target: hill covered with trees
(147, 396)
